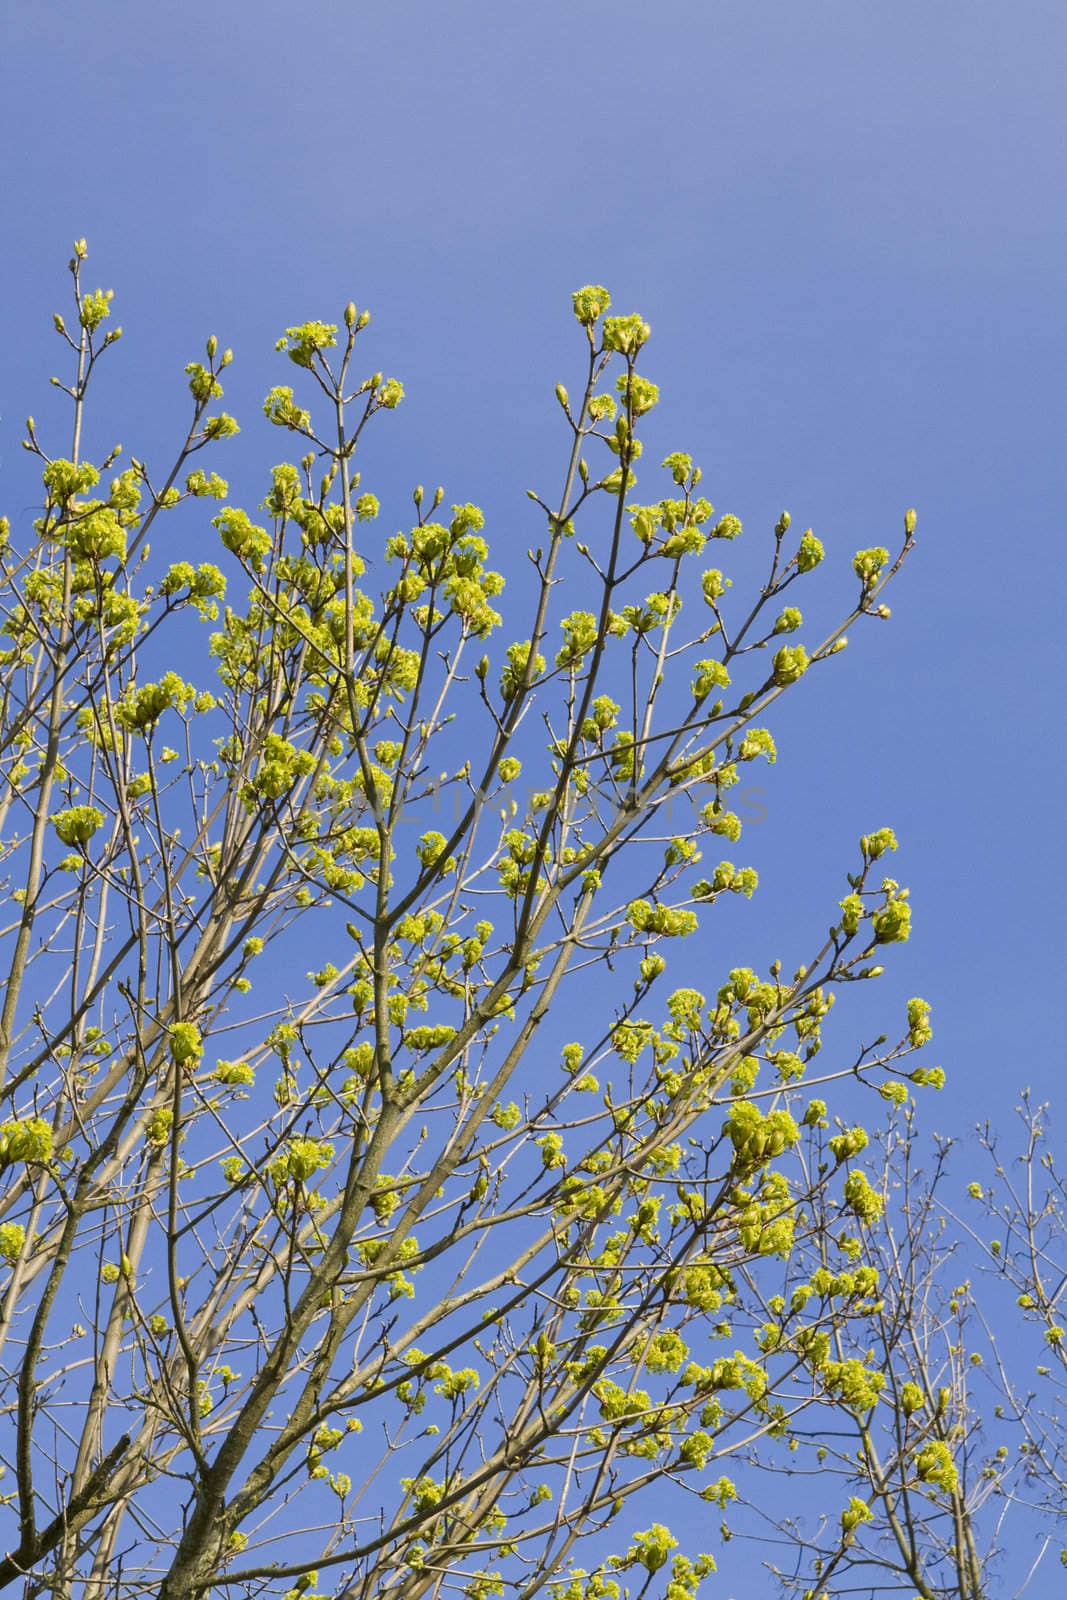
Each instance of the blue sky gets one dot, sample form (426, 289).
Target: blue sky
(847, 225)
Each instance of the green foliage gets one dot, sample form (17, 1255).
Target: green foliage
(289, 946)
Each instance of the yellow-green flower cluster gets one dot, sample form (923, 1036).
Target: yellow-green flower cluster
(77, 826)
(25, 1139)
(756, 1138)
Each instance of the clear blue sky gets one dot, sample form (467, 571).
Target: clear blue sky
(847, 224)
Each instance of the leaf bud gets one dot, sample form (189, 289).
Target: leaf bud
(583, 470)
(227, 357)
(81, 249)
(438, 496)
(839, 645)
(909, 522)
(350, 314)
(417, 494)
(590, 303)
(362, 320)
(562, 396)
(482, 669)
(212, 346)
(781, 527)
(60, 325)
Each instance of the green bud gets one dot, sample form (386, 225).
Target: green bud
(590, 303)
(909, 522)
(856, 1512)
(350, 314)
(912, 1399)
(789, 621)
(868, 564)
(625, 335)
(809, 553)
(679, 465)
(186, 1047)
(77, 826)
(892, 923)
(790, 663)
(212, 346)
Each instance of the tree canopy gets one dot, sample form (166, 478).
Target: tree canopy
(379, 1216)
